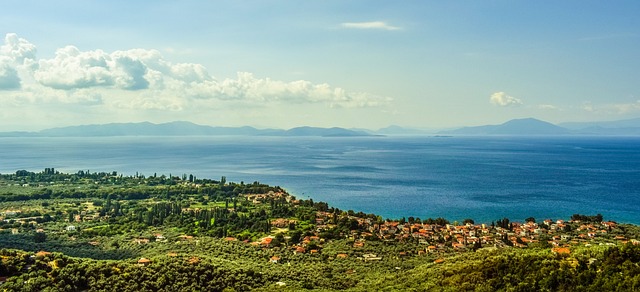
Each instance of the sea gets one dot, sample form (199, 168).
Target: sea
(481, 178)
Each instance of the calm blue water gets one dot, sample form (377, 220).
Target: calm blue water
(453, 177)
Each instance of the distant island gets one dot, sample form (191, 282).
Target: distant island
(182, 129)
(527, 126)
(516, 127)
(535, 127)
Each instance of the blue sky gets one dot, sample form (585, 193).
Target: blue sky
(366, 64)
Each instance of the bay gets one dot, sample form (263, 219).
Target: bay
(483, 178)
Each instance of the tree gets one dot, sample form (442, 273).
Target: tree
(107, 206)
(503, 223)
(278, 240)
(40, 237)
(530, 219)
(295, 236)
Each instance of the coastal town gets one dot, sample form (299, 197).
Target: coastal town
(148, 223)
(430, 237)
(441, 237)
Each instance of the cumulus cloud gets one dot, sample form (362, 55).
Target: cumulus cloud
(71, 69)
(503, 99)
(15, 53)
(129, 73)
(144, 79)
(248, 87)
(19, 50)
(369, 25)
(9, 78)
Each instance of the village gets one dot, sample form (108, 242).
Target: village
(440, 238)
(429, 237)
(468, 237)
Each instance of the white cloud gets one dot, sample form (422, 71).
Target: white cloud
(41, 95)
(190, 72)
(625, 108)
(588, 106)
(614, 109)
(130, 74)
(247, 88)
(71, 69)
(547, 107)
(143, 79)
(15, 53)
(9, 78)
(369, 25)
(19, 50)
(503, 99)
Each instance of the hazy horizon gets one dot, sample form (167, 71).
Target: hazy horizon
(424, 129)
(283, 64)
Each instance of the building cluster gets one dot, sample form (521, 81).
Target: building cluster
(448, 237)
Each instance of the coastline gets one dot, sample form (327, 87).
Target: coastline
(454, 178)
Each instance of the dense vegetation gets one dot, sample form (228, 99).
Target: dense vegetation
(107, 232)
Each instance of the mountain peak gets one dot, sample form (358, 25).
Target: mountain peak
(526, 126)
(526, 120)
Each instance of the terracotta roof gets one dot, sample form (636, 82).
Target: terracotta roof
(42, 253)
(561, 250)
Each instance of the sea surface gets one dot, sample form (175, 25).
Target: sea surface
(483, 178)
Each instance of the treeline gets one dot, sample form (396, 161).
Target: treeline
(56, 272)
(118, 187)
(585, 218)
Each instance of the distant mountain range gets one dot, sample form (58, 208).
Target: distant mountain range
(181, 129)
(535, 127)
(622, 127)
(528, 126)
